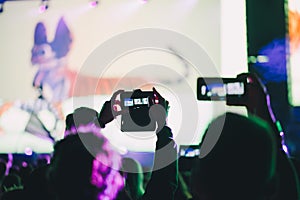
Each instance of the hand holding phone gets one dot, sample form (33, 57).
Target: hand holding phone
(257, 100)
(144, 109)
(137, 104)
(109, 110)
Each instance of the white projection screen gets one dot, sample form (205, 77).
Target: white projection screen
(76, 56)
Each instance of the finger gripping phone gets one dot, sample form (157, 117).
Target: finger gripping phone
(138, 104)
(220, 89)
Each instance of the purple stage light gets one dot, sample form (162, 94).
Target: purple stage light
(285, 149)
(43, 8)
(94, 4)
(24, 164)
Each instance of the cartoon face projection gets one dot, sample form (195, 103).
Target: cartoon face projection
(50, 58)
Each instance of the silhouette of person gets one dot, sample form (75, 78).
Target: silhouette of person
(241, 164)
(164, 180)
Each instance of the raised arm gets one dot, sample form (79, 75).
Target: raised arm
(257, 101)
(164, 178)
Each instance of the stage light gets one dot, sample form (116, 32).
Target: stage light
(28, 151)
(262, 59)
(24, 164)
(94, 4)
(44, 6)
(258, 59)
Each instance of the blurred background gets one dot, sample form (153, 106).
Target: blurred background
(57, 56)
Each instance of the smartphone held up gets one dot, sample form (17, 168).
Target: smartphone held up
(138, 104)
(221, 89)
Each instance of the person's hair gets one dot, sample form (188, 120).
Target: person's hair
(85, 166)
(81, 116)
(242, 162)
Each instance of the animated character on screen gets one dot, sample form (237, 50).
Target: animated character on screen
(55, 79)
(53, 76)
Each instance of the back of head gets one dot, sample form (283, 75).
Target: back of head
(237, 159)
(82, 116)
(85, 166)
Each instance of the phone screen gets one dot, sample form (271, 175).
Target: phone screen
(218, 89)
(235, 88)
(129, 102)
(138, 105)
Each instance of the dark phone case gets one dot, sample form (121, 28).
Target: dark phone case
(127, 123)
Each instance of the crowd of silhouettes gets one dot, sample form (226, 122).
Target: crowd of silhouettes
(241, 158)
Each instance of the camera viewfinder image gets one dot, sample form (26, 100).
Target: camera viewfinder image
(213, 90)
(128, 102)
(236, 88)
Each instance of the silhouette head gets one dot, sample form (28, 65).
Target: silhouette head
(241, 164)
(82, 116)
(85, 166)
